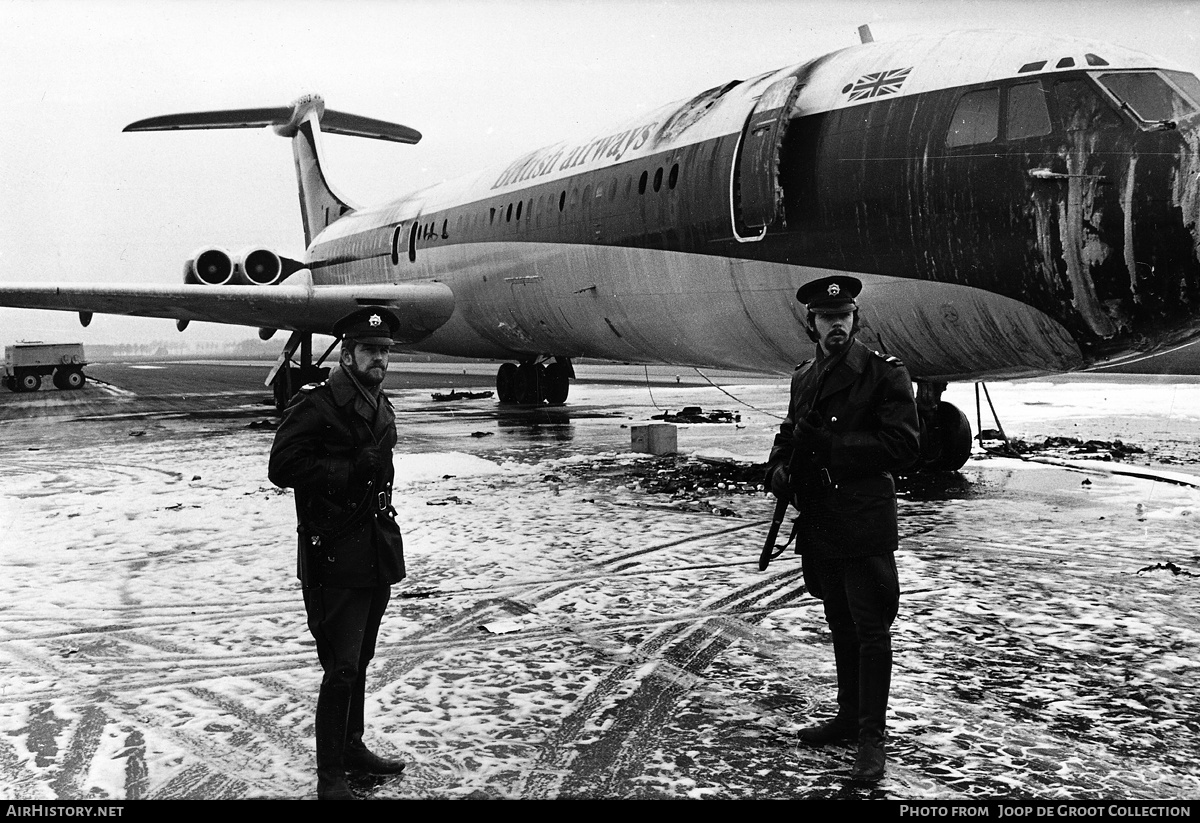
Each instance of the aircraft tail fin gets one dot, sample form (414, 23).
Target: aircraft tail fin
(303, 122)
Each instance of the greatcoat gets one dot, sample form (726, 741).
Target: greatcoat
(865, 402)
(347, 532)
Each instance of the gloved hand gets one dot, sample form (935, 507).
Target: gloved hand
(812, 438)
(367, 461)
(780, 483)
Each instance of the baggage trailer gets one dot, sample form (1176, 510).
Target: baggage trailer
(26, 363)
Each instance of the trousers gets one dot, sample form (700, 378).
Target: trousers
(861, 598)
(345, 624)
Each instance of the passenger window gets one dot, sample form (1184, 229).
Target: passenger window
(976, 119)
(1027, 112)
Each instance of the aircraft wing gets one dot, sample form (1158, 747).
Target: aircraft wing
(421, 307)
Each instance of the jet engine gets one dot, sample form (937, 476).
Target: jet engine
(259, 267)
(209, 267)
(255, 266)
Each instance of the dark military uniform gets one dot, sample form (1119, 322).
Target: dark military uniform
(349, 552)
(862, 404)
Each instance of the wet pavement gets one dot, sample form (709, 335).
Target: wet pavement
(584, 622)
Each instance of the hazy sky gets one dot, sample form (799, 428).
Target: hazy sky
(483, 81)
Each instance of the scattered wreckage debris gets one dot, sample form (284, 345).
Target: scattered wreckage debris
(1168, 566)
(695, 414)
(442, 397)
(676, 482)
(453, 499)
(1062, 446)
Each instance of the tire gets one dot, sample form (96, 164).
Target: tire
(28, 381)
(557, 384)
(507, 390)
(953, 447)
(68, 378)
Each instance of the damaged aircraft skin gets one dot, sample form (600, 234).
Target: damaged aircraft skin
(1014, 205)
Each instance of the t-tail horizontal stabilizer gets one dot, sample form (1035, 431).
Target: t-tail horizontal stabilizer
(303, 121)
(285, 119)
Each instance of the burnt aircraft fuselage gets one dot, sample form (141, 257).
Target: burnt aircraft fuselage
(1036, 217)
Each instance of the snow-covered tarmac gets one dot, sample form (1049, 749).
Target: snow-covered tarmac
(565, 632)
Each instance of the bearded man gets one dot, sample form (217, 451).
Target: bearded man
(852, 421)
(334, 447)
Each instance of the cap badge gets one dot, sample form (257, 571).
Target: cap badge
(834, 289)
(375, 320)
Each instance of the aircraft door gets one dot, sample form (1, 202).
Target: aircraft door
(756, 194)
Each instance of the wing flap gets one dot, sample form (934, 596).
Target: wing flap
(421, 307)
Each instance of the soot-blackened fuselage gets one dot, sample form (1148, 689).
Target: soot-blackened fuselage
(1036, 220)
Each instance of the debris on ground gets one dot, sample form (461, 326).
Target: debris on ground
(1168, 566)
(695, 414)
(681, 482)
(1067, 446)
(461, 395)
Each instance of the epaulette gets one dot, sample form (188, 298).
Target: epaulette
(887, 358)
(799, 366)
(312, 386)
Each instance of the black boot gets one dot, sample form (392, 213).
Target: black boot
(838, 730)
(875, 680)
(332, 707)
(869, 765)
(361, 760)
(844, 727)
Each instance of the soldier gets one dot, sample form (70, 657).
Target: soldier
(334, 447)
(852, 422)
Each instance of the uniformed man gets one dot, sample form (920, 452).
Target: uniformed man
(334, 447)
(852, 422)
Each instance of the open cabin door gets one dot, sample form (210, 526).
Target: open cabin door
(756, 193)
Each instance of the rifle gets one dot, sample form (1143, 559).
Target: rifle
(770, 551)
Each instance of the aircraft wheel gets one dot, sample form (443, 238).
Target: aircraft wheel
(28, 381)
(506, 383)
(530, 384)
(952, 431)
(557, 384)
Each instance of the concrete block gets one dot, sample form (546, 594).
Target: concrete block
(655, 438)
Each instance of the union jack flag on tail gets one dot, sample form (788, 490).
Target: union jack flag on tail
(878, 84)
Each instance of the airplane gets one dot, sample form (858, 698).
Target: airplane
(1014, 205)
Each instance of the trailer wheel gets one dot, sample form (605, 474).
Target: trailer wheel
(28, 381)
(69, 378)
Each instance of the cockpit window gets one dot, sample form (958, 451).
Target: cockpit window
(976, 119)
(1027, 114)
(1148, 95)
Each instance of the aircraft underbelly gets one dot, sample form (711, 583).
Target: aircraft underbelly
(648, 306)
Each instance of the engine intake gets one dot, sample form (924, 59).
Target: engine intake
(210, 267)
(260, 267)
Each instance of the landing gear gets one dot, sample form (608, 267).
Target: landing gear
(533, 383)
(287, 378)
(945, 430)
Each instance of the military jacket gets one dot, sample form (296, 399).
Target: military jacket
(348, 535)
(848, 505)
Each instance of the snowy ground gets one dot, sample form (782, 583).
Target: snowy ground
(567, 632)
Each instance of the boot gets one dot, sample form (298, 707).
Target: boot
(332, 707)
(358, 759)
(844, 727)
(869, 764)
(361, 760)
(875, 670)
(838, 730)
